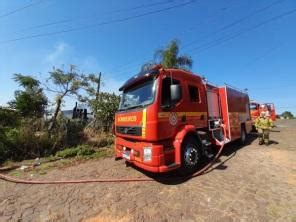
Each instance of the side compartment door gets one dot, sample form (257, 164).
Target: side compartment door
(213, 105)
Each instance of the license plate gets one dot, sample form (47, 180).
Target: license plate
(126, 155)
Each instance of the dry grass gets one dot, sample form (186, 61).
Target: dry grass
(97, 138)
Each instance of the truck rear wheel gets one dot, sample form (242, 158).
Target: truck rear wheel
(243, 137)
(191, 156)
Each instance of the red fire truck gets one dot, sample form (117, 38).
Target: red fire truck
(256, 108)
(171, 118)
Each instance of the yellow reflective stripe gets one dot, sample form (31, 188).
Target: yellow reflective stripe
(144, 121)
(163, 114)
(189, 114)
(195, 113)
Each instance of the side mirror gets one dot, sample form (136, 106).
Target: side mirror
(176, 93)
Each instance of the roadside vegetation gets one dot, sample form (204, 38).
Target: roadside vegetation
(34, 127)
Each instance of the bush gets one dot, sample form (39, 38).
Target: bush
(24, 143)
(4, 146)
(9, 118)
(97, 138)
(74, 132)
(4, 152)
(29, 138)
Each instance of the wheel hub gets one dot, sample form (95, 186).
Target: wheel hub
(191, 155)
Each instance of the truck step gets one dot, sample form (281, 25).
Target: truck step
(206, 143)
(172, 165)
(201, 133)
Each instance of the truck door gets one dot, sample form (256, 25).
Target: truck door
(196, 111)
(170, 113)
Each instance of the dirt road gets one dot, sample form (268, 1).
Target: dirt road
(251, 183)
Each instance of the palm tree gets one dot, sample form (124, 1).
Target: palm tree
(169, 57)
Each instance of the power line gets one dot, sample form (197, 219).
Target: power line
(130, 65)
(99, 24)
(145, 6)
(237, 34)
(65, 21)
(262, 56)
(231, 36)
(21, 8)
(240, 20)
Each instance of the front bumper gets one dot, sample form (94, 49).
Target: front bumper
(160, 160)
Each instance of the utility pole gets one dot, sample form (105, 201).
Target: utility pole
(97, 99)
(99, 84)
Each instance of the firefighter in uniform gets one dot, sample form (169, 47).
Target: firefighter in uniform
(263, 125)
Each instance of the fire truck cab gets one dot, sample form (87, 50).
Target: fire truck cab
(171, 118)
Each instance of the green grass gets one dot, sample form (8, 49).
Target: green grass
(81, 150)
(15, 173)
(64, 158)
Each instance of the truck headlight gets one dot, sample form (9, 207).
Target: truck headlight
(147, 154)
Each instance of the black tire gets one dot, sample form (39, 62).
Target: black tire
(243, 136)
(191, 156)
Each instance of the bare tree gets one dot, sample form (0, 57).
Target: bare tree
(66, 84)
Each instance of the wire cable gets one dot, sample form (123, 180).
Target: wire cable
(21, 9)
(238, 21)
(231, 36)
(65, 21)
(120, 20)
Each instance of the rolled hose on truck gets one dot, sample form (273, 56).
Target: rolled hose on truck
(114, 180)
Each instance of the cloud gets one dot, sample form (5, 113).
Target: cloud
(59, 55)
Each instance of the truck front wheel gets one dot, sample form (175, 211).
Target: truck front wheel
(191, 156)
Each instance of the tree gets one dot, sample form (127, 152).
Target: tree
(287, 115)
(103, 104)
(169, 57)
(30, 102)
(66, 84)
(104, 108)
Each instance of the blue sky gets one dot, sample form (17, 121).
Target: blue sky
(247, 44)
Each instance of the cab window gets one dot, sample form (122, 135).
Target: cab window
(253, 106)
(166, 91)
(194, 93)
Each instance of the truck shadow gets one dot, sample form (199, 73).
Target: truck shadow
(174, 178)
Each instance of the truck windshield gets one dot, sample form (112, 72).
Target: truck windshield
(138, 96)
(253, 106)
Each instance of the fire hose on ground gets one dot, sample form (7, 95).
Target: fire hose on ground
(115, 180)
